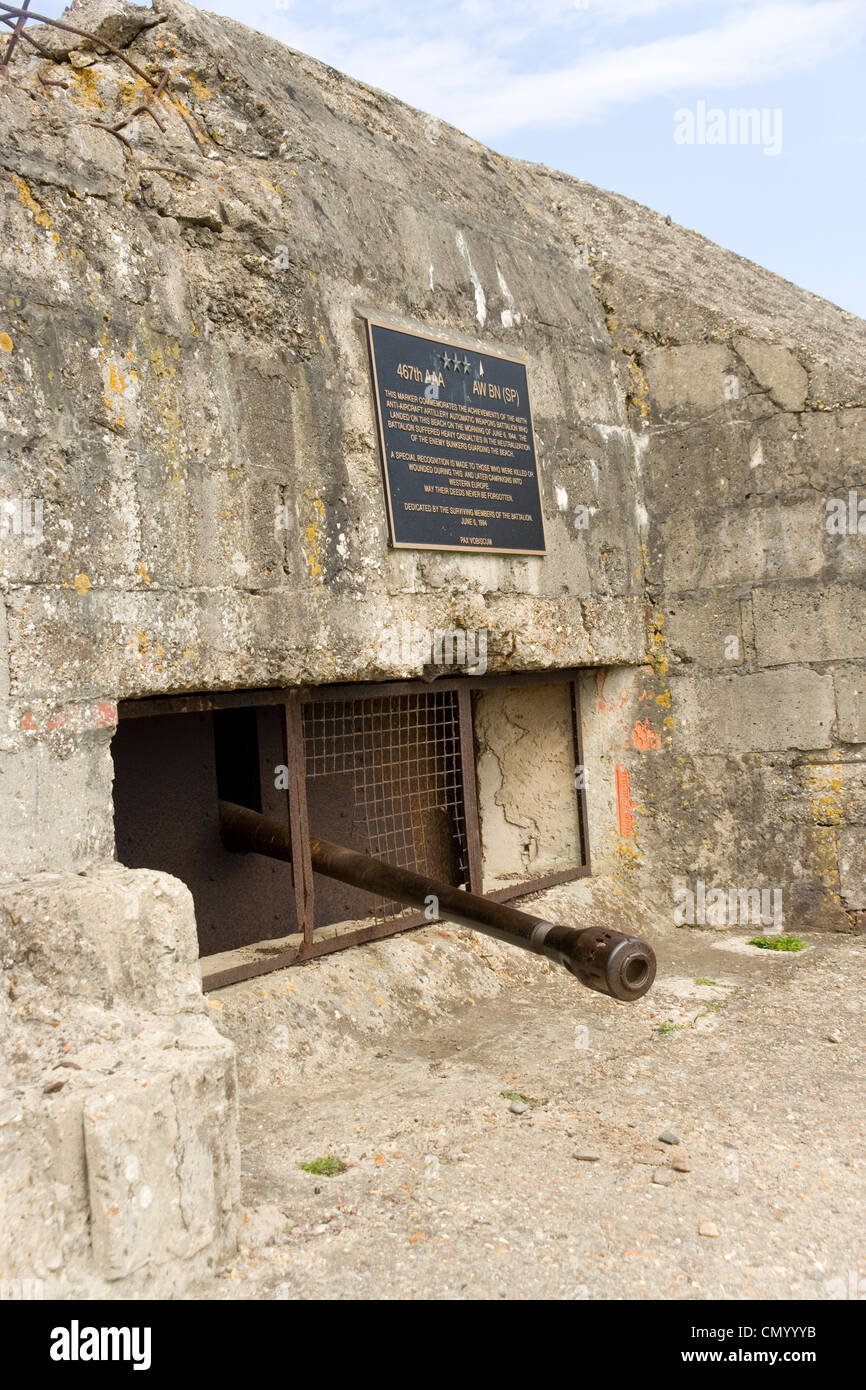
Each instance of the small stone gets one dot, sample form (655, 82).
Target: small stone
(663, 1176)
(708, 1228)
(669, 1137)
(681, 1165)
(517, 1107)
(835, 1036)
(586, 1157)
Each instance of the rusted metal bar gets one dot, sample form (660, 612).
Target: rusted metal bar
(160, 81)
(622, 967)
(470, 789)
(19, 25)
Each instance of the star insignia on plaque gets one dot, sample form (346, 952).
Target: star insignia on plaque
(454, 364)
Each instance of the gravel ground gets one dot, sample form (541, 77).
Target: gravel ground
(512, 1148)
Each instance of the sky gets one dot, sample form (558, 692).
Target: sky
(636, 96)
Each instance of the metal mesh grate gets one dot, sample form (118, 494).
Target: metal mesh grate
(403, 755)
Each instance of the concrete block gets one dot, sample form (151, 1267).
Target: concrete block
(707, 631)
(112, 935)
(753, 713)
(815, 623)
(161, 1158)
(852, 868)
(776, 370)
(690, 378)
(710, 545)
(850, 685)
(130, 1141)
(56, 785)
(4, 652)
(833, 793)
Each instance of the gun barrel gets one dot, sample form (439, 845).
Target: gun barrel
(622, 967)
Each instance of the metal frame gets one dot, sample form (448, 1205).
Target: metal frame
(308, 944)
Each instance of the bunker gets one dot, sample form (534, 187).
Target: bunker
(625, 649)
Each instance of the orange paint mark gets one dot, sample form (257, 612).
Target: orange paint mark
(106, 714)
(624, 803)
(599, 690)
(5, 342)
(644, 738)
(75, 718)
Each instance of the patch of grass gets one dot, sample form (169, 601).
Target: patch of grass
(668, 1027)
(702, 980)
(514, 1095)
(779, 943)
(327, 1167)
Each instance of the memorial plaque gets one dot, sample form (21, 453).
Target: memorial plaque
(458, 452)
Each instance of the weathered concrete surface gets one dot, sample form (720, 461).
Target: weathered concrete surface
(529, 823)
(184, 389)
(187, 392)
(752, 1058)
(118, 1101)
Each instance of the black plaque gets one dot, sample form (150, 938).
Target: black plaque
(458, 452)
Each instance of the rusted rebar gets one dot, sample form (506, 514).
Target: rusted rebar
(15, 17)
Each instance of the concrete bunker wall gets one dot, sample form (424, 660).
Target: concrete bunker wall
(527, 775)
(185, 391)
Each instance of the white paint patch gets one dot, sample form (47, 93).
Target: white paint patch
(593, 468)
(342, 547)
(757, 456)
(732, 387)
(432, 286)
(240, 565)
(642, 515)
(511, 315)
(607, 430)
(131, 1168)
(562, 499)
(480, 297)
(641, 444)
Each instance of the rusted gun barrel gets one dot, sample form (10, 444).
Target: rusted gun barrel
(622, 967)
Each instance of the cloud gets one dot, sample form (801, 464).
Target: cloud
(771, 41)
(488, 68)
